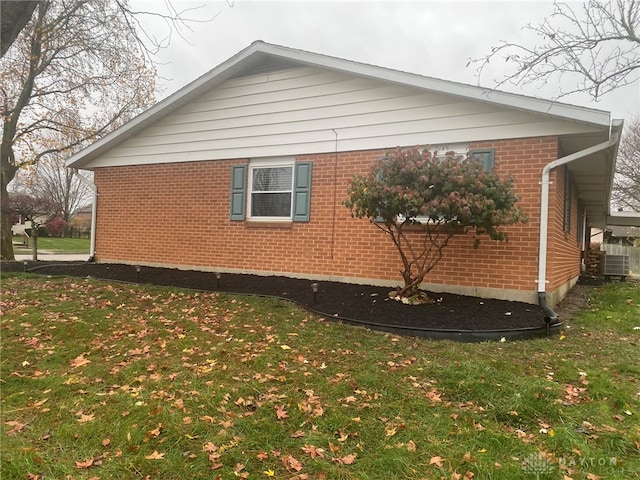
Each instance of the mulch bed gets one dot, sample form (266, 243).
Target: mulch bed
(359, 303)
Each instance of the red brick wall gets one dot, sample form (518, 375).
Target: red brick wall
(178, 214)
(563, 260)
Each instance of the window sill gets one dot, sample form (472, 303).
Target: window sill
(287, 225)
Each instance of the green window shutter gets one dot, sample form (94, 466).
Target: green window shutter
(379, 218)
(238, 191)
(486, 156)
(302, 192)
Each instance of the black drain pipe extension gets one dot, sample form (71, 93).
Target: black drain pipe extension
(550, 317)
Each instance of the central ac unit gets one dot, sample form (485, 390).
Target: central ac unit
(614, 265)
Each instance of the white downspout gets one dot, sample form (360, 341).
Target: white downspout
(544, 215)
(94, 210)
(583, 240)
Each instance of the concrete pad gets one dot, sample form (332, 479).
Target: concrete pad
(55, 257)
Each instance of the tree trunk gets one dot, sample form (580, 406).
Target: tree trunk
(7, 173)
(6, 241)
(34, 244)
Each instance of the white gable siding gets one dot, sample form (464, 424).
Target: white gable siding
(300, 111)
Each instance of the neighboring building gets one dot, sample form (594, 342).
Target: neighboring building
(20, 225)
(245, 170)
(625, 236)
(80, 223)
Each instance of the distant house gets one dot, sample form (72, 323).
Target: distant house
(20, 225)
(625, 236)
(80, 223)
(255, 157)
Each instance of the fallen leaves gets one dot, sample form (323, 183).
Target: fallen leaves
(281, 413)
(347, 459)
(79, 361)
(155, 456)
(185, 377)
(16, 427)
(85, 463)
(313, 451)
(91, 461)
(84, 418)
(291, 463)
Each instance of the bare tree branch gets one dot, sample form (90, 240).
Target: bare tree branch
(595, 46)
(626, 182)
(77, 70)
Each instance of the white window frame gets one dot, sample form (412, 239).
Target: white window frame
(270, 163)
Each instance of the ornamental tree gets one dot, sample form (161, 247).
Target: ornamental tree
(421, 199)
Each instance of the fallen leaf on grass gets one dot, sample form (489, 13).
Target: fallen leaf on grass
(209, 447)
(82, 418)
(85, 463)
(290, 463)
(155, 432)
(155, 456)
(313, 451)
(347, 459)
(17, 427)
(437, 461)
(79, 361)
(281, 412)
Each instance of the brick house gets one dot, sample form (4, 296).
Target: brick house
(255, 157)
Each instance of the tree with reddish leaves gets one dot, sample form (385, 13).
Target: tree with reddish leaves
(422, 199)
(56, 226)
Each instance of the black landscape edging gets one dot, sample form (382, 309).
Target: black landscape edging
(463, 336)
(466, 336)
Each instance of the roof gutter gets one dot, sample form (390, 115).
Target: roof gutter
(551, 316)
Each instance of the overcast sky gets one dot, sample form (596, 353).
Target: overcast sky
(431, 38)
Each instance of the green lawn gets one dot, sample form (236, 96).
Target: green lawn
(107, 381)
(55, 245)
